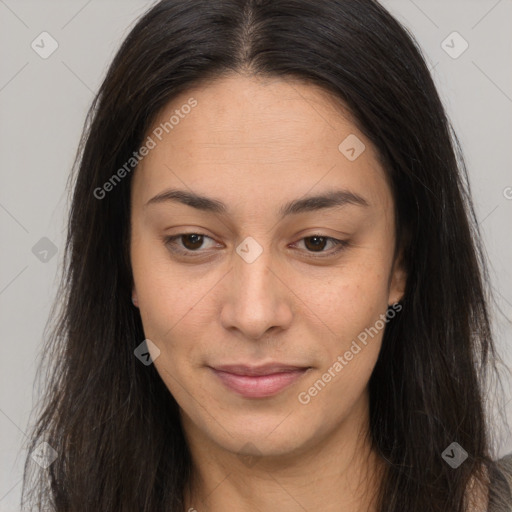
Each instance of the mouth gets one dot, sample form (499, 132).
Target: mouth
(258, 382)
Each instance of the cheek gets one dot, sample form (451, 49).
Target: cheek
(165, 291)
(176, 311)
(353, 297)
(352, 306)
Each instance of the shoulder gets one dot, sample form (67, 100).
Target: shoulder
(500, 491)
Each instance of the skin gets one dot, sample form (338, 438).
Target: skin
(256, 144)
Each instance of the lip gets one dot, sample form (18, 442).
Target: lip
(258, 381)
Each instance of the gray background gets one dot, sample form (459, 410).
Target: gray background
(42, 109)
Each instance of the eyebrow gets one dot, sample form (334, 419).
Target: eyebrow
(329, 199)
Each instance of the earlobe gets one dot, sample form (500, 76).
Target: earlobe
(135, 301)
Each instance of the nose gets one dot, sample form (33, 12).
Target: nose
(257, 297)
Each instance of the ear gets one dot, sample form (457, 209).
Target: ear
(135, 300)
(398, 280)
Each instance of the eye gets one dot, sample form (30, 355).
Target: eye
(317, 244)
(189, 243)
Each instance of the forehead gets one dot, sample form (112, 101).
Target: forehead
(251, 137)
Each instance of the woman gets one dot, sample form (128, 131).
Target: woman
(274, 295)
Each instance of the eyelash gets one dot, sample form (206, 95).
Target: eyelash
(170, 241)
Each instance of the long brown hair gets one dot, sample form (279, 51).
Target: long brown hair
(112, 422)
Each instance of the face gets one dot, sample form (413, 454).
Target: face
(261, 278)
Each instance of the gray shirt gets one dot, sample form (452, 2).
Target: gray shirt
(500, 494)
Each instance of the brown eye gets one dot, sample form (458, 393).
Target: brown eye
(315, 243)
(192, 241)
(187, 243)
